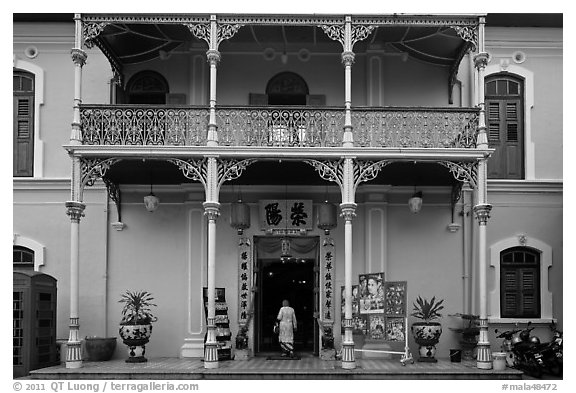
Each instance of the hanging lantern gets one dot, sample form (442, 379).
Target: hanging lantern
(285, 246)
(240, 216)
(415, 202)
(151, 201)
(327, 217)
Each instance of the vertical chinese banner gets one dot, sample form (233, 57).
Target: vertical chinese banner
(327, 280)
(244, 272)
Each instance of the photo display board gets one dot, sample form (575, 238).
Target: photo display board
(378, 308)
(223, 334)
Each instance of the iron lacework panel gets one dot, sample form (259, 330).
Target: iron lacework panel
(279, 126)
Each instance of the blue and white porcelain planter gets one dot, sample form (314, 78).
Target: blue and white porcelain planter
(136, 337)
(427, 335)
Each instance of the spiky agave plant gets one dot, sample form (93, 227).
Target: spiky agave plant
(137, 308)
(427, 310)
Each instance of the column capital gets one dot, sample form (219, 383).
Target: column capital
(482, 212)
(75, 210)
(78, 56)
(481, 59)
(348, 58)
(348, 210)
(211, 210)
(213, 56)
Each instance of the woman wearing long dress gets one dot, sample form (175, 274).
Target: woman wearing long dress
(287, 318)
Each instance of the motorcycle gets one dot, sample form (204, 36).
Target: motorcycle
(552, 355)
(526, 353)
(507, 338)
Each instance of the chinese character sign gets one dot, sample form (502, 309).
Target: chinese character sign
(293, 214)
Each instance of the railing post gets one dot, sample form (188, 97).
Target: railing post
(79, 59)
(213, 58)
(348, 60)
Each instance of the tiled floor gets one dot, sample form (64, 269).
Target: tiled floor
(260, 368)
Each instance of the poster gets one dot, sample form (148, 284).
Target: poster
(377, 327)
(371, 293)
(395, 329)
(395, 298)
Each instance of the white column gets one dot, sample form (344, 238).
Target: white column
(212, 211)
(482, 209)
(348, 208)
(74, 351)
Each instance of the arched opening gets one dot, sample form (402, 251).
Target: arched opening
(147, 87)
(287, 88)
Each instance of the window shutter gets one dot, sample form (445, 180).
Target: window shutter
(509, 293)
(530, 293)
(23, 157)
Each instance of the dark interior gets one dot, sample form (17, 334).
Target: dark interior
(294, 281)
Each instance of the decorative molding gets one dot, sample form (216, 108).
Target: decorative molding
(545, 250)
(39, 249)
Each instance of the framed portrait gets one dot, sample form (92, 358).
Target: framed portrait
(371, 292)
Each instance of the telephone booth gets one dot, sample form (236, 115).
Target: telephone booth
(34, 322)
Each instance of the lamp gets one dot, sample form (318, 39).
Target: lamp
(240, 216)
(151, 201)
(415, 202)
(326, 217)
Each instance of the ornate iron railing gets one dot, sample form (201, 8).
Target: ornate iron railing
(270, 126)
(279, 126)
(415, 127)
(143, 125)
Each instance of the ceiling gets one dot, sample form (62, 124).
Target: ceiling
(274, 172)
(137, 43)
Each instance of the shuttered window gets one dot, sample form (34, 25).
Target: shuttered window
(520, 283)
(23, 123)
(504, 124)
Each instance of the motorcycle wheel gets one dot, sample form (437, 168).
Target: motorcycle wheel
(534, 369)
(555, 368)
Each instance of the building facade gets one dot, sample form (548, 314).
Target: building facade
(281, 152)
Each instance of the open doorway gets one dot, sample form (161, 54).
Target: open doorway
(295, 280)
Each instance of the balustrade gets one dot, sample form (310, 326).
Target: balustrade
(279, 126)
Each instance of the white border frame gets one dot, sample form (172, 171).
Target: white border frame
(528, 78)
(39, 249)
(38, 101)
(545, 252)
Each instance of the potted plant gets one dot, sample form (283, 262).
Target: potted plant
(470, 331)
(427, 332)
(136, 324)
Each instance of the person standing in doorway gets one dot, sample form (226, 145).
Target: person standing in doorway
(287, 318)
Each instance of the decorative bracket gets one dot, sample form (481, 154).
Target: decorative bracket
(337, 32)
(202, 31)
(93, 169)
(114, 194)
(359, 172)
(199, 170)
(463, 171)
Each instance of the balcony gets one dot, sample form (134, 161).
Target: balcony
(302, 127)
